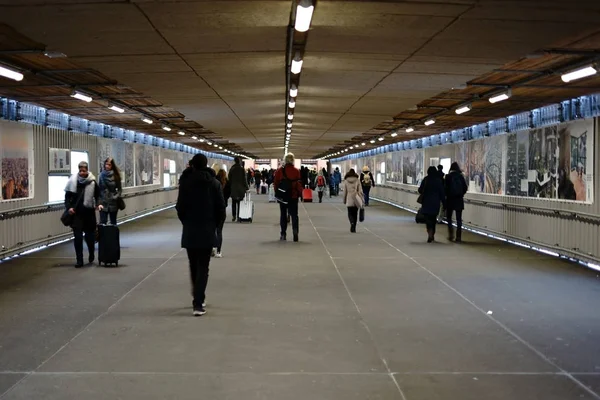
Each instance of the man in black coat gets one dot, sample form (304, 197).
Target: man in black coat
(200, 207)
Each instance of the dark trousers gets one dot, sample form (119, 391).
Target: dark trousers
(104, 217)
(367, 191)
(458, 222)
(90, 238)
(320, 193)
(235, 208)
(353, 215)
(431, 222)
(219, 234)
(199, 261)
(290, 208)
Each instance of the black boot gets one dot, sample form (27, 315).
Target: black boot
(459, 236)
(92, 258)
(296, 236)
(430, 236)
(451, 233)
(353, 227)
(79, 262)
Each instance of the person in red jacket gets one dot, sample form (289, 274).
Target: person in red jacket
(288, 188)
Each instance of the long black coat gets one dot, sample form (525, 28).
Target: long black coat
(200, 207)
(237, 181)
(85, 218)
(432, 190)
(455, 202)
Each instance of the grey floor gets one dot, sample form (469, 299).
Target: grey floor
(375, 315)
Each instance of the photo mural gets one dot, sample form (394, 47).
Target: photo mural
(122, 153)
(553, 162)
(16, 166)
(147, 168)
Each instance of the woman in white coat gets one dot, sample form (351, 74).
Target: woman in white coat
(353, 197)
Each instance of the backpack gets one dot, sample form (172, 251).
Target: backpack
(284, 190)
(320, 181)
(367, 179)
(455, 185)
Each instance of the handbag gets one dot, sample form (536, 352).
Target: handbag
(420, 198)
(68, 219)
(120, 203)
(361, 215)
(420, 217)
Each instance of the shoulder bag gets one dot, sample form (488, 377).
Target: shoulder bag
(68, 219)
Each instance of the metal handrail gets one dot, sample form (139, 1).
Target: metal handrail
(558, 213)
(44, 208)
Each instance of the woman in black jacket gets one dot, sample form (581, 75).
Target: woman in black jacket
(81, 198)
(456, 188)
(432, 191)
(110, 191)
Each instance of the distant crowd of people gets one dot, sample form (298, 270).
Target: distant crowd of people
(204, 194)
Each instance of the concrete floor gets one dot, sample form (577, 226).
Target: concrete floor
(375, 315)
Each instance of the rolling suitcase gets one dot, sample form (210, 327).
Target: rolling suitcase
(307, 195)
(109, 245)
(246, 212)
(263, 189)
(272, 198)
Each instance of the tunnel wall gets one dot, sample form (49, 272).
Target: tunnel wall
(537, 218)
(27, 223)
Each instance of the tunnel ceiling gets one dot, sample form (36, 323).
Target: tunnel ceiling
(218, 69)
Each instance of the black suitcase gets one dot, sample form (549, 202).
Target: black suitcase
(109, 245)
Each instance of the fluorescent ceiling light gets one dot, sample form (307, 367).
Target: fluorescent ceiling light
(289, 130)
(201, 140)
(195, 137)
(579, 73)
(429, 122)
(216, 145)
(363, 144)
(181, 133)
(373, 141)
(410, 129)
(166, 128)
(380, 139)
(147, 120)
(117, 109)
(292, 104)
(296, 64)
(293, 91)
(289, 125)
(463, 109)
(394, 134)
(290, 116)
(81, 96)
(54, 54)
(221, 147)
(500, 97)
(10, 74)
(304, 13)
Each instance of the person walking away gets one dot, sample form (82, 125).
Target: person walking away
(81, 197)
(432, 195)
(321, 183)
(239, 186)
(110, 191)
(257, 180)
(456, 188)
(366, 181)
(200, 207)
(337, 179)
(288, 187)
(222, 178)
(440, 217)
(353, 197)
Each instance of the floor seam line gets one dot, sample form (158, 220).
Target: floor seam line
(500, 324)
(10, 389)
(362, 320)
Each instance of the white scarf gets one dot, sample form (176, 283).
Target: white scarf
(88, 192)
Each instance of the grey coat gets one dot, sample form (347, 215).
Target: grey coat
(110, 191)
(238, 182)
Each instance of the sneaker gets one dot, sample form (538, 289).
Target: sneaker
(198, 312)
(219, 255)
(214, 252)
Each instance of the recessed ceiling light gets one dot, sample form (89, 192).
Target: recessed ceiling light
(500, 97)
(579, 73)
(10, 73)
(463, 109)
(117, 109)
(78, 95)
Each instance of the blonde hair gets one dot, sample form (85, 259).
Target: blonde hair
(289, 159)
(216, 167)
